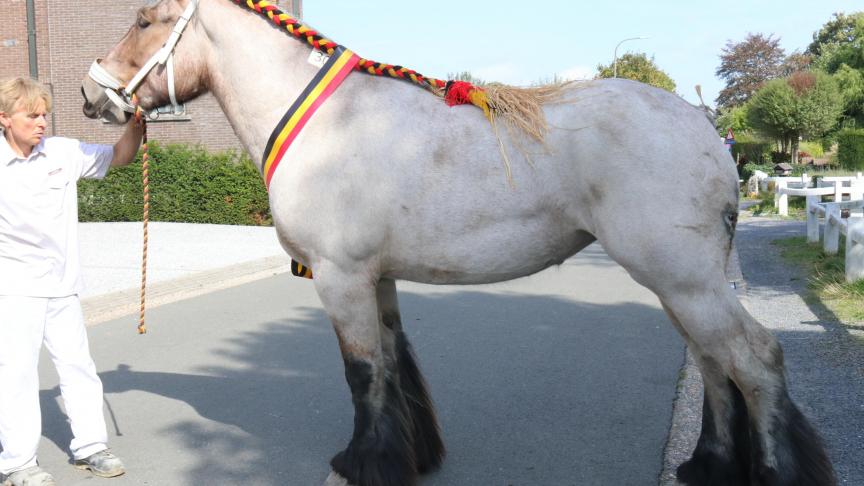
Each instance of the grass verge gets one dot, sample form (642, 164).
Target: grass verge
(826, 278)
(765, 206)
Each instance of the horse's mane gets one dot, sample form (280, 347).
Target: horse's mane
(519, 107)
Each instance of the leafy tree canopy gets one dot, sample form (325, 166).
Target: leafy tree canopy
(638, 67)
(746, 66)
(839, 30)
(851, 84)
(803, 104)
(734, 118)
(797, 61)
(839, 42)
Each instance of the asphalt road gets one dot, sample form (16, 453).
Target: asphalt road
(564, 378)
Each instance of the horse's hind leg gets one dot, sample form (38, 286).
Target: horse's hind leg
(428, 447)
(381, 451)
(752, 431)
(741, 361)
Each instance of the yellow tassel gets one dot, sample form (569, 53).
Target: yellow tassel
(478, 98)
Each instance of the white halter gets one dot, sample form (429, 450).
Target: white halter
(121, 95)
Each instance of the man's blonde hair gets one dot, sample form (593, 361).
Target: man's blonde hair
(25, 93)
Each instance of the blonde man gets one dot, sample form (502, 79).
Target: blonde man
(40, 281)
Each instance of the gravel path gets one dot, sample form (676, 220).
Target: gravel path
(824, 359)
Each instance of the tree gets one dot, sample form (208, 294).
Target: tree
(839, 30)
(839, 47)
(746, 66)
(851, 84)
(639, 68)
(735, 118)
(838, 42)
(797, 61)
(803, 104)
(466, 76)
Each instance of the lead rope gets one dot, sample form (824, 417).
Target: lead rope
(145, 178)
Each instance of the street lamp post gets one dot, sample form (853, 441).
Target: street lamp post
(615, 55)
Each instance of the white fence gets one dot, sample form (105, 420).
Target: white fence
(835, 224)
(853, 187)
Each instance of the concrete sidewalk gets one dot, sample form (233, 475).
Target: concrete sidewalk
(184, 260)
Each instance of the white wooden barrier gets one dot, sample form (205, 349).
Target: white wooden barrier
(835, 225)
(851, 185)
(785, 181)
(826, 186)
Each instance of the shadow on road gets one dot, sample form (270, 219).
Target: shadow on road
(529, 389)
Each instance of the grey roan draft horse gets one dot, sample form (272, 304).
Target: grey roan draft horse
(386, 182)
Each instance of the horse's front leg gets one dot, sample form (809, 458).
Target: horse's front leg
(381, 449)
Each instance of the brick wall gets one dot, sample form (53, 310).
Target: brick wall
(70, 34)
(13, 38)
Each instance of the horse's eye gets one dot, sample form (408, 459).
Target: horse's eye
(143, 23)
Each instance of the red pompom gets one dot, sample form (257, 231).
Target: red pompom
(457, 93)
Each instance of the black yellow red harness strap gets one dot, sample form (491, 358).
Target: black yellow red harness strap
(324, 84)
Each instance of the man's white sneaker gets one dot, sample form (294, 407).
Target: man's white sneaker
(32, 476)
(102, 464)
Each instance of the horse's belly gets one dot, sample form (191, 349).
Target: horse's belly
(493, 254)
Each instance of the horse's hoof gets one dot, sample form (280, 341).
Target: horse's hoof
(708, 470)
(334, 479)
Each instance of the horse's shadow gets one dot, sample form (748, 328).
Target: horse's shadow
(546, 379)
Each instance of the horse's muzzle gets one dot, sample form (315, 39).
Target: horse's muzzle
(98, 105)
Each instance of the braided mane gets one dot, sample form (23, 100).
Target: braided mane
(520, 108)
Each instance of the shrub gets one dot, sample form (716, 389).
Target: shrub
(755, 152)
(750, 168)
(812, 149)
(187, 184)
(850, 150)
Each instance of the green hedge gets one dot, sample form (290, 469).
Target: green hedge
(850, 151)
(187, 184)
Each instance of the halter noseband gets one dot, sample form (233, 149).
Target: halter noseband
(121, 95)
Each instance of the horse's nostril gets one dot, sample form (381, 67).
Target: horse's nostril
(89, 112)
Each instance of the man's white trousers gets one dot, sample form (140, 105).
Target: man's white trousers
(25, 324)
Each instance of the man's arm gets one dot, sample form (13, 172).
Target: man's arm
(126, 148)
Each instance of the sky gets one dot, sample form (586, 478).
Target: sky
(525, 42)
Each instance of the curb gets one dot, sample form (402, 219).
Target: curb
(111, 306)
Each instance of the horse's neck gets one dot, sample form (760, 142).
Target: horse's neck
(256, 71)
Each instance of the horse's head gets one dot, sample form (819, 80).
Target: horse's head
(159, 60)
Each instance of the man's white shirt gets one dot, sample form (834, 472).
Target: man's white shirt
(39, 215)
